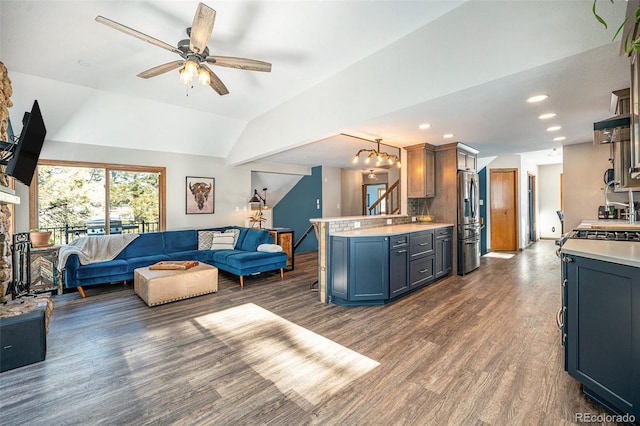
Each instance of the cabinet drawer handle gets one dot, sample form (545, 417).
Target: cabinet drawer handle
(422, 271)
(423, 244)
(564, 283)
(401, 251)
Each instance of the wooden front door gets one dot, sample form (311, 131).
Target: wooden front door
(504, 209)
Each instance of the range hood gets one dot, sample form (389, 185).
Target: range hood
(613, 129)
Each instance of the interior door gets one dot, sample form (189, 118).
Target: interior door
(503, 208)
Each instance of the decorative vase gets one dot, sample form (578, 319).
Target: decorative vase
(39, 238)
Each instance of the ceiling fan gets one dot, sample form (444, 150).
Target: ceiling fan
(193, 51)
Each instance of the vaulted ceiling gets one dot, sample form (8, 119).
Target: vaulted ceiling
(372, 69)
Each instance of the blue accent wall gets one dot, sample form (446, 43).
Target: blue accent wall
(298, 206)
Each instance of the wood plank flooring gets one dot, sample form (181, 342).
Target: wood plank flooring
(478, 349)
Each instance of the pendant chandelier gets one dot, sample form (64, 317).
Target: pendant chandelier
(380, 157)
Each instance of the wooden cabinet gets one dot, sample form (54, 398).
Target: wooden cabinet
(421, 182)
(467, 160)
(602, 331)
(284, 238)
(444, 246)
(44, 270)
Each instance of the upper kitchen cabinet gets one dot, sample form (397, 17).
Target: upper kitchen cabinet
(421, 165)
(467, 160)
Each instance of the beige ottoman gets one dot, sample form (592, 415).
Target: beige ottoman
(156, 287)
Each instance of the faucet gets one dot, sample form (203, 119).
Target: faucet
(630, 205)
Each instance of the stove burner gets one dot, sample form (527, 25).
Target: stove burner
(593, 234)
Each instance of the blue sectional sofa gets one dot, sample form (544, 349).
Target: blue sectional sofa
(149, 248)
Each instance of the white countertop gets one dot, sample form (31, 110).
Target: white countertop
(611, 224)
(383, 231)
(621, 252)
(343, 218)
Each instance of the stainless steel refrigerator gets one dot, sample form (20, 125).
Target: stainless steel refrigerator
(468, 222)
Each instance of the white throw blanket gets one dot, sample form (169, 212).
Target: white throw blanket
(99, 248)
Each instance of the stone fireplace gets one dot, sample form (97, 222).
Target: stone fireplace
(5, 209)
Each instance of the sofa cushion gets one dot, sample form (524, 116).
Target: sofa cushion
(147, 244)
(253, 238)
(247, 260)
(102, 269)
(142, 261)
(180, 240)
(199, 255)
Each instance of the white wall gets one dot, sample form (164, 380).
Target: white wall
(549, 200)
(351, 197)
(583, 169)
(527, 168)
(331, 192)
(232, 184)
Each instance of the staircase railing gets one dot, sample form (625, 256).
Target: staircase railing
(390, 198)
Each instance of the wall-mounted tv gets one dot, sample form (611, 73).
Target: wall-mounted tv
(24, 160)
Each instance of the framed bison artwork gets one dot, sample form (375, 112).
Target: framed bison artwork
(200, 192)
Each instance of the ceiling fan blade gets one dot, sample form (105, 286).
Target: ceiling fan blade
(161, 69)
(201, 28)
(130, 31)
(240, 63)
(216, 84)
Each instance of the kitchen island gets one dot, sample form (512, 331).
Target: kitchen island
(600, 320)
(377, 265)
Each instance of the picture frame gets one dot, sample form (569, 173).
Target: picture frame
(200, 195)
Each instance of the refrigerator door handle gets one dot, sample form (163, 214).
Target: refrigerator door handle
(472, 191)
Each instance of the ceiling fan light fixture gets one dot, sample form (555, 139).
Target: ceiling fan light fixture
(203, 77)
(191, 68)
(185, 78)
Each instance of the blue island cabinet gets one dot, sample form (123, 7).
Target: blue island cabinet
(601, 310)
(360, 270)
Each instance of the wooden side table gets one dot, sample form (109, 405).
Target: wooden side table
(44, 269)
(284, 238)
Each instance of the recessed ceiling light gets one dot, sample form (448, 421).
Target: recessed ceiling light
(424, 126)
(448, 136)
(537, 98)
(559, 138)
(547, 115)
(553, 128)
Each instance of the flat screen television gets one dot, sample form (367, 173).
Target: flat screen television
(23, 163)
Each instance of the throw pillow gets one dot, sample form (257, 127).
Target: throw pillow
(222, 241)
(205, 239)
(271, 248)
(236, 234)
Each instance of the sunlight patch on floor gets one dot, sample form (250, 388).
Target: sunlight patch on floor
(499, 255)
(292, 357)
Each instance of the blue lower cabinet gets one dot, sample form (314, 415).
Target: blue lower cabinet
(370, 270)
(421, 271)
(359, 270)
(602, 344)
(398, 265)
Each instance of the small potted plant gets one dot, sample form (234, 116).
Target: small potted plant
(39, 238)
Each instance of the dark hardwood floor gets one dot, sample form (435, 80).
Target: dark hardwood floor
(478, 349)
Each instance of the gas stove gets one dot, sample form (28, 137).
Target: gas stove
(604, 234)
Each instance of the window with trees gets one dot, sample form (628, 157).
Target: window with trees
(73, 199)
